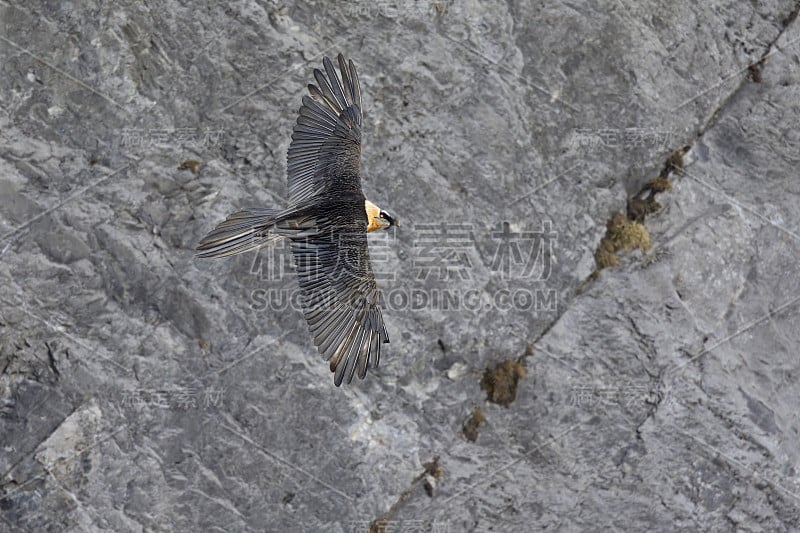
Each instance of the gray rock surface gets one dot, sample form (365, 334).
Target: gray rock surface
(145, 390)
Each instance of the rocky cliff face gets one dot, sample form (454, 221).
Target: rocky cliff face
(592, 300)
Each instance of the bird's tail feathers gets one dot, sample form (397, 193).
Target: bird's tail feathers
(241, 232)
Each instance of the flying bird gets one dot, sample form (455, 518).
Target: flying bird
(326, 222)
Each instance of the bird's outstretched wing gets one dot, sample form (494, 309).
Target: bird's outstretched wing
(341, 300)
(325, 152)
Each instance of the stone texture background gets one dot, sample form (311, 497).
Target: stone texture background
(145, 390)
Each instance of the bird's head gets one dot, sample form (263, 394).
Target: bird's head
(378, 218)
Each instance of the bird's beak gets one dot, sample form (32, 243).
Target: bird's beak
(390, 219)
